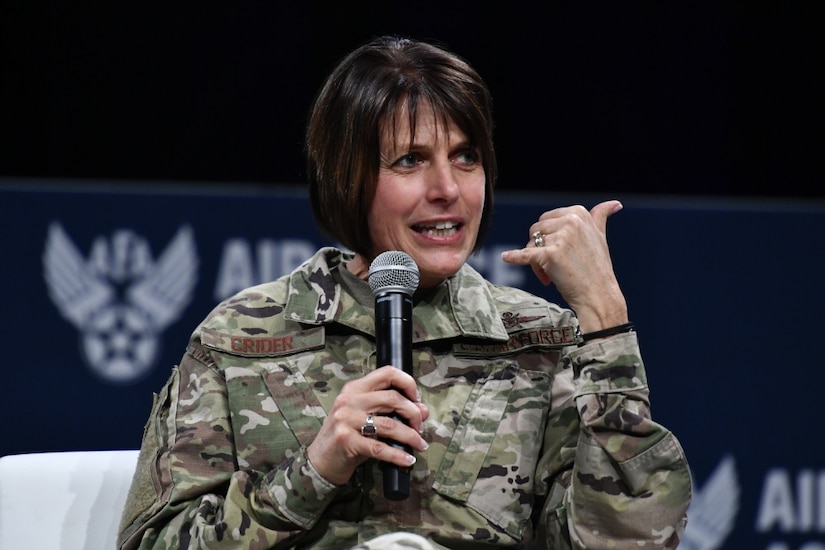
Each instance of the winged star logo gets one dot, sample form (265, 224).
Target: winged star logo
(712, 512)
(120, 299)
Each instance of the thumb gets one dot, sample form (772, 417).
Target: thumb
(604, 210)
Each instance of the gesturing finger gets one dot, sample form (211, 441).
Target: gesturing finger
(602, 211)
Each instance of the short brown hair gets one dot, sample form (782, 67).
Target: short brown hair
(367, 89)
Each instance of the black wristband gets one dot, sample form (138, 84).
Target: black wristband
(618, 329)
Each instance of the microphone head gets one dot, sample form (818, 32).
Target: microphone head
(393, 271)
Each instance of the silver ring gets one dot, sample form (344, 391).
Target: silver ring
(369, 429)
(538, 239)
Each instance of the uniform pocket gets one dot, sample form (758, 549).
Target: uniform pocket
(490, 461)
(296, 401)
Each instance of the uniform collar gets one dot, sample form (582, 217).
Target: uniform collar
(461, 306)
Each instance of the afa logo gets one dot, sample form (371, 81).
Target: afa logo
(120, 298)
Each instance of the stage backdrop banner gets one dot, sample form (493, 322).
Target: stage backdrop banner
(103, 284)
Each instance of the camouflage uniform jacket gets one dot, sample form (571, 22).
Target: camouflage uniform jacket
(535, 441)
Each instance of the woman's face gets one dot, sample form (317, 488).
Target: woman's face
(429, 197)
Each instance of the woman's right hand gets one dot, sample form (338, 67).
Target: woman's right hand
(339, 448)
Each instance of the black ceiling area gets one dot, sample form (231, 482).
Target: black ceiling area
(657, 98)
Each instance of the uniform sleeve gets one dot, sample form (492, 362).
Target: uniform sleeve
(613, 478)
(189, 491)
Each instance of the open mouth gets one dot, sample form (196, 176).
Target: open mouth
(440, 229)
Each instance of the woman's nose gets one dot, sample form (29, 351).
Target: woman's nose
(442, 182)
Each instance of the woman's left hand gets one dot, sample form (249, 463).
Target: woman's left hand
(568, 247)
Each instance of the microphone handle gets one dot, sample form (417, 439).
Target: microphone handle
(393, 318)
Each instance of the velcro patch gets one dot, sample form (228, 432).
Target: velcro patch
(520, 341)
(265, 345)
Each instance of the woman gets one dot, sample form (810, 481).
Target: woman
(526, 424)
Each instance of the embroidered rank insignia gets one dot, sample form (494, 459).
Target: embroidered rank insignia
(514, 320)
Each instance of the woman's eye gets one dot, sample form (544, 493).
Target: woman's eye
(407, 160)
(468, 157)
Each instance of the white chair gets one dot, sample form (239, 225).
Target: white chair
(63, 500)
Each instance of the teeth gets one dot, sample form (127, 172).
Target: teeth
(445, 225)
(441, 229)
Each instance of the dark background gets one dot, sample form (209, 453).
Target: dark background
(627, 97)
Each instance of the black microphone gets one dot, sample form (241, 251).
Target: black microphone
(393, 278)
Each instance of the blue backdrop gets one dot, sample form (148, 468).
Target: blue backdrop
(726, 295)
